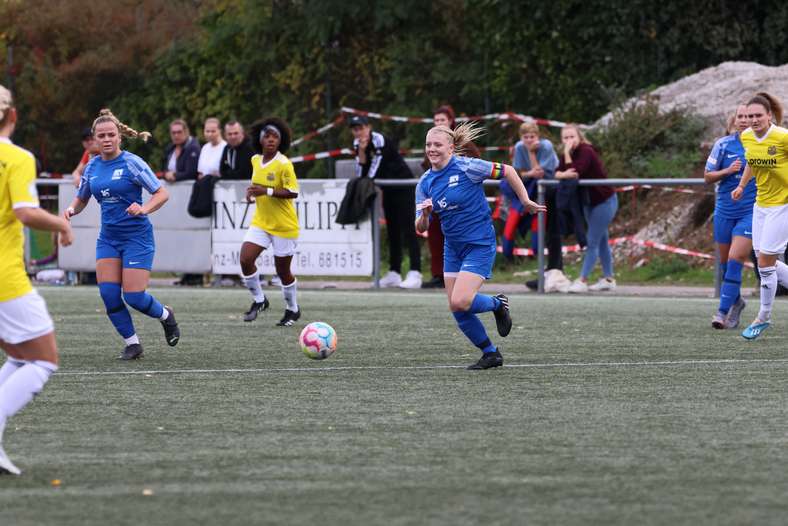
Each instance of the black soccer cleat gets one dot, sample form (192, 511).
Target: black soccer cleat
(289, 318)
(171, 331)
(487, 361)
(131, 352)
(503, 320)
(256, 308)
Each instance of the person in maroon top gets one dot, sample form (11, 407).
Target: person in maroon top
(580, 160)
(442, 116)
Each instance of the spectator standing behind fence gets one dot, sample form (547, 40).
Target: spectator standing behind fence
(377, 157)
(534, 159)
(766, 149)
(732, 219)
(236, 162)
(182, 154)
(579, 160)
(442, 116)
(180, 164)
(210, 159)
(90, 148)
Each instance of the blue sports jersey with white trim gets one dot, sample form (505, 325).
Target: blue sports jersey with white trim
(458, 198)
(724, 153)
(115, 185)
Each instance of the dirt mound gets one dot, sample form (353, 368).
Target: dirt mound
(714, 92)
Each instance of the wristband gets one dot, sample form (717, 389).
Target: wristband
(71, 211)
(269, 191)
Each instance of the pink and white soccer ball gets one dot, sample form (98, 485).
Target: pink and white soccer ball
(318, 340)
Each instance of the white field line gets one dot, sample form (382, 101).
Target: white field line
(557, 365)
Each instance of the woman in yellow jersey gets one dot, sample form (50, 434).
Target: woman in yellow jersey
(275, 223)
(27, 334)
(766, 150)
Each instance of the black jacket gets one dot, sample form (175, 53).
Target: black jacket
(236, 163)
(186, 164)
(359, 196)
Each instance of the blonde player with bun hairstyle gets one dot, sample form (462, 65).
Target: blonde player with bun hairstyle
(27, 334)
(766, 149)
(452, 187)
(125, 246)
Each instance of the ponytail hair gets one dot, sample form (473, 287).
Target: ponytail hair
(462, 136)
(6, 103)
(772, 105)
(106, 115)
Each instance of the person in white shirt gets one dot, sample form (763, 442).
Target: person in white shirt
(211, 152)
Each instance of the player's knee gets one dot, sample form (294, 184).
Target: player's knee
(460, 304)
(138, 300)
(111, 295)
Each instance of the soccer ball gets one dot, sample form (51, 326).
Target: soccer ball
(318, 340)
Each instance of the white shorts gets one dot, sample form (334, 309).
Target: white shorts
(283, 246)
(24, 318)
(770, 229)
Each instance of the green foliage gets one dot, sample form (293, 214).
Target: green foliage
(155, 60)
(642, 141)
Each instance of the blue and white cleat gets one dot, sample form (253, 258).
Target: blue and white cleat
(755, 329)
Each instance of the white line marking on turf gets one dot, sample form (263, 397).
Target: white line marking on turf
(420, 367)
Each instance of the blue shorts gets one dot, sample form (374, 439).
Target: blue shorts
(135, 252)
(478, 259)
(725, 229)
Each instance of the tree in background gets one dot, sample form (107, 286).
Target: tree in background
(154, 60)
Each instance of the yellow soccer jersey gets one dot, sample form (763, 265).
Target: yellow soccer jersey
(17, 190)
(767, 157)
(275, 215)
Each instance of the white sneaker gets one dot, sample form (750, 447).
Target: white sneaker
(603, 284)
(6, 466)
(412, 280)
(556, 281)
(578, 287)
(392, 279)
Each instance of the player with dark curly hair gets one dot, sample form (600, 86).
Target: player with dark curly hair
(275, 224)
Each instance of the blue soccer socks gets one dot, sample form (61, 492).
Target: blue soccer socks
(145, 303)
(731, 285)
(484, 303)
(472, 327)
(116, 310)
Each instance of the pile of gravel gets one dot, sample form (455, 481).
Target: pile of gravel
(714, 93)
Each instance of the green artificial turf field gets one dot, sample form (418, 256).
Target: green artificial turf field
(610, 410)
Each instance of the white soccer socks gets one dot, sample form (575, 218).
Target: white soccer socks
(768, 291)
(21, 386)
(289, 293)
(252, 283)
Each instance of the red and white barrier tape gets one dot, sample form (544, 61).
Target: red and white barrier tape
(322, 155)
(319, 131)
(505, 116)
(626, 239)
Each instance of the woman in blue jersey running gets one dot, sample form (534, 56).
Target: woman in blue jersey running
(125, 245)
(452, 187)
(732, 219)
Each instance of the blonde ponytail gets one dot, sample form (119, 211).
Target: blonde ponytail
(105, 115)
(462, 136)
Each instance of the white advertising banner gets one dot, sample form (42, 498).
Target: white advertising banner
(324, 247)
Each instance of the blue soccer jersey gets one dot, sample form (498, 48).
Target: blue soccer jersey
(458, 198)
(724, 153)
(115, 185)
